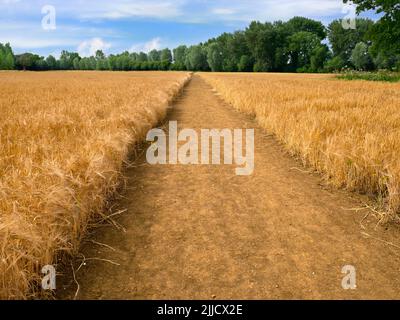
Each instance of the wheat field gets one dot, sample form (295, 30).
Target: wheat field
(347, 130)
(64, 137)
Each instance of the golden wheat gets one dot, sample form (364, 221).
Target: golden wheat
(348, 130)
(63, 139)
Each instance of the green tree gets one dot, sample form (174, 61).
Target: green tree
(386, 32)
(100, 55)
(41, 64)
(335, 64)
(142, 57)
(164, 65)
(7, 59)
(66, 59)
(2, 57)
(26, 61)
(123, 61)
(361, 58)
(92, 63)
(215, 57)
(271, 45)
(302, 45)
(51, 62)
(166, 55)
(154, 55)
(246, 64)
(102, 64)
(385, 60)
(319, 57)
(134, 56)
(76, 63)
(343, 41)
(196, 59)
(298, 24)
(232, 47)
(263, 40)
(180, 57)
(111, 62)
(101, 60)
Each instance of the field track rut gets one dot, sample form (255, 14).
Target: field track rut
(201, 232)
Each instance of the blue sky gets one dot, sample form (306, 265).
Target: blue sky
(142, 25)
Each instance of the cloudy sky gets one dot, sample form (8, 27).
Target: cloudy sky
(141, 25)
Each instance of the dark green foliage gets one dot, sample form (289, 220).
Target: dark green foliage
(298, 24)
(246, 64)
(302, 45)
(319, 58)
(361, 57)
(166, 55)
(343, 41)
(385, 34)
(7, 59)
(154, 55)
(180, 58)
(51, 63)
(215, 57)
(336, 64)
(196, 58)
(27, 61)
(67, 60)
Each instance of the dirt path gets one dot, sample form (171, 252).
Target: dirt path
(200, 232)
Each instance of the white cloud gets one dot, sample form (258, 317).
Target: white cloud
(99, 9)
(270, 10)
(185, 10)
(89, 47)
(119, 9)
(223, 11)
(64, 37)
(147, 46)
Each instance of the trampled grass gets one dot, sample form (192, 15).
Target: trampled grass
(348, 130)
(64, 137)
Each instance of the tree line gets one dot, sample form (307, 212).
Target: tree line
(298, 45)
(7, 58)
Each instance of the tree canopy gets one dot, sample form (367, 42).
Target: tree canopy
(386, 32)
(7, 59)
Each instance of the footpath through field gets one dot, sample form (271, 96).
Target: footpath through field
(201, 232)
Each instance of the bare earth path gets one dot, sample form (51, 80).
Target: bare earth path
(200, 232)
